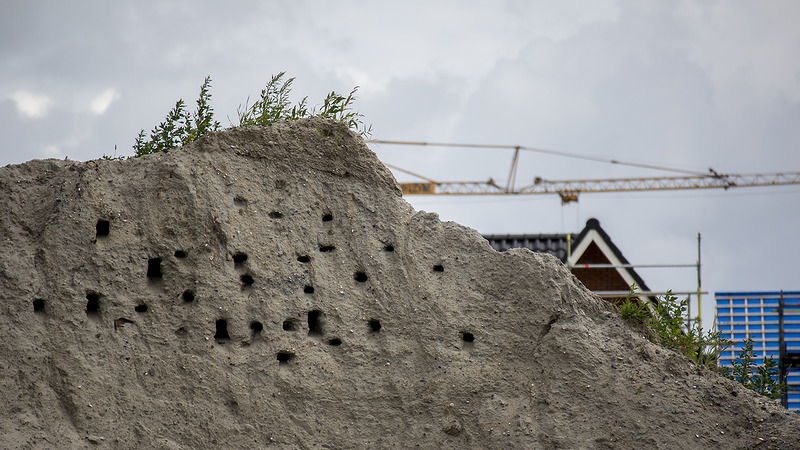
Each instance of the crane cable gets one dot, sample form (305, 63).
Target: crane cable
(548, 152)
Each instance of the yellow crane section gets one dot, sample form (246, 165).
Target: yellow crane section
(569, 190)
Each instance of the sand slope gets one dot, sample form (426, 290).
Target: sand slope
(270, 287)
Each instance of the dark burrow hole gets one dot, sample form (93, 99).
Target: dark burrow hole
(327, 217)
(92, 304)
(222, 330)
(284, 357)
(239, 259)
(140, 308)
(188, 296)
(314, 322)
(180, 254)
(374, 325)
(154, 268)
(257, 327)
(275, 215)
(438, 268)
(308, 289)
(389, 248)
(303, 259)
(467, 337)
(361, 277)
(102, 227)
(290, 325)
(120, 323)
(247, 280)
(335, 342)
(326, 248)
(241, 202)
(38, 306)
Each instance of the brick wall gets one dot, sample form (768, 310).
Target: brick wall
(598, 279)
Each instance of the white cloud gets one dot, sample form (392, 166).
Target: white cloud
(745, 46)
(420, 39)
(51, 151)
(31, 105)
(100, 104)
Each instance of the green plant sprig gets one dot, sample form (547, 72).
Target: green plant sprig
(632, 309)
(179, 127)
(339, 108)
(273, 105)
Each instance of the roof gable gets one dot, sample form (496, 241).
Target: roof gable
(591, 246)
(594, 236)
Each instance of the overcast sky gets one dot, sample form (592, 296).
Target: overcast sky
(690, 84)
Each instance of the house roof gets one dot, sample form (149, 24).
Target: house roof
(553, 244)
(556, 245)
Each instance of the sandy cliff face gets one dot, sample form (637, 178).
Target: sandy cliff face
(270, 286)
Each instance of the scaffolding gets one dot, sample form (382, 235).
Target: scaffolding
(650, 294)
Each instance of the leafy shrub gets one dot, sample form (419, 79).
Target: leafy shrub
(763, 379)
(180, 127)
(666, 319)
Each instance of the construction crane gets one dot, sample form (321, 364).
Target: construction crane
(569, 190)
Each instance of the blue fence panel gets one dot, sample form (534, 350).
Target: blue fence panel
(755, 314)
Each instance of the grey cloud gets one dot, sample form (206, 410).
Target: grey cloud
(655, 81)
(415, 107)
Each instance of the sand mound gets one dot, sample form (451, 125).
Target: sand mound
(270, 287)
